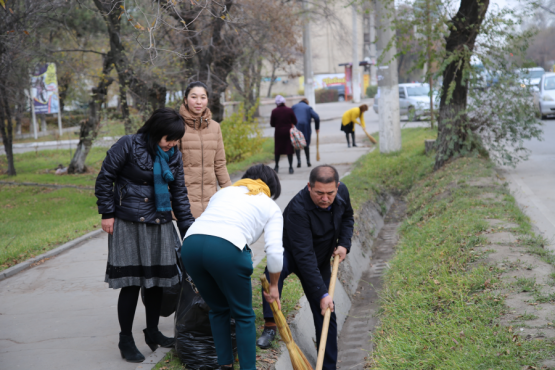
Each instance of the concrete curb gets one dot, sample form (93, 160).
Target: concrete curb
(55, 186)
(54, 252)
(154, 358)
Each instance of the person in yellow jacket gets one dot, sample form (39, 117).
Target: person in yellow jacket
(349, 119)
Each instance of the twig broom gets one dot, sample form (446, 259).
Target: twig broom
(298, 360)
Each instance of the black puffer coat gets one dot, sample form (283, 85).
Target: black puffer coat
(125, 188)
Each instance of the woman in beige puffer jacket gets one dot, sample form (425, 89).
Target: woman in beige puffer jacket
(202, 147)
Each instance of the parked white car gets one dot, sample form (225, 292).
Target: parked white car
(414, 100)
(546, 95)
(530, 76)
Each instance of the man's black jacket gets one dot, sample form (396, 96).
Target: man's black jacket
(125, 185)
(302, 227)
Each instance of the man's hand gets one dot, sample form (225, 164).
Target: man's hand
(325, 303)
(273, 295)
(108, 225)
(341, 252)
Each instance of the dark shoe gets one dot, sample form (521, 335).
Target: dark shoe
(155, 338)
(265, 340)
(276, 168)
(298, 164)
(355, 145)
(308, 164)
(291, 170)
(129, 350)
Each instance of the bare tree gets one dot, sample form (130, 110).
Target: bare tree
(21, 24)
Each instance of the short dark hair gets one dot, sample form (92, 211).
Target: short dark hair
(192, 85)
(162, 122)
(318, 175)
(267, 175)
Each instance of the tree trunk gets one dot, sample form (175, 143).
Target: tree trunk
(6, 131)
(89, 128)
(464, 28)
(272, 79)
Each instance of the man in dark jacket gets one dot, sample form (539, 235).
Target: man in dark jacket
(305, 114)
(317, 223)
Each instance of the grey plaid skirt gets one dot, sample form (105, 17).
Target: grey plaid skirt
(142, 254)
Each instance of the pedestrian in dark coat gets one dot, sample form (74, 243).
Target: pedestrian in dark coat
(305, 114)
(317, 223)
(283, 119)
(139, 185)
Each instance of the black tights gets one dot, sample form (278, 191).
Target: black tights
(352, 135)
(306, 152)
(127, 304)
(289, 158)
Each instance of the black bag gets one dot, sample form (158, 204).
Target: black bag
(170, 295)
(348, 128)
(194, 343)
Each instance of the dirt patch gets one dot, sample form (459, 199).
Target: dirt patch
(484, 182)
(501, 224)
(491, 197)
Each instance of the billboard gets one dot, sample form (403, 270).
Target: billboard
(324, 80)
(44, 89)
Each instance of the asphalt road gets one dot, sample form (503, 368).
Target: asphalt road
(533, 182)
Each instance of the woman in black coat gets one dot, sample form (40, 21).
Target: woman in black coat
(283, 119)
(140, 183)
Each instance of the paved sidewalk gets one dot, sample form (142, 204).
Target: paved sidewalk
(61, 315)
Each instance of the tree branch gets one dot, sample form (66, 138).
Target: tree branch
(78, 50)
(547, 9)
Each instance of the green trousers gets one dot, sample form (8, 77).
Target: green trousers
(222, 274)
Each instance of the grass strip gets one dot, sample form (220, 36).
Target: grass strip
(439, 310)
(36, 219)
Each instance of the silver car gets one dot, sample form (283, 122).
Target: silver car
(414, 100)
(546, 95)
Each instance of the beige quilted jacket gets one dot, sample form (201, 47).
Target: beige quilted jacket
(204, 162)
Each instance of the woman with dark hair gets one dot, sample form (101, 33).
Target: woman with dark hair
(283, 119)
(141, 182)
(202, 147)
(349, 119)
(216, 254)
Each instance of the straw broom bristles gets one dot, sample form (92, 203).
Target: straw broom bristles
(298, 360)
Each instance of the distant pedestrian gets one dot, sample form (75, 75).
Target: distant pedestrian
(305, 114)
(283, 119)
(202, 148)
(349, 119)
(216, 253)
(139, 185)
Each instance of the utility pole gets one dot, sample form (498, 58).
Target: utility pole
(307, 58)
(355, 78)
(388, 101)
(373, 56)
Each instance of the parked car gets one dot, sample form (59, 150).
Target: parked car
(546, 95)
(414, 100)
(340, 91)
(530, 76)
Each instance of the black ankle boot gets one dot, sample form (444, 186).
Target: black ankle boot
(155, 338)
(129, 350)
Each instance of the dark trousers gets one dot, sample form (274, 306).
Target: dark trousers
(289, 158)
(352, 135)
(222, 274)
(127, 304)
(306, 152)
(290, 267)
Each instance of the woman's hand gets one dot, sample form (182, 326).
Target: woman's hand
(108, 225)
(273, 295)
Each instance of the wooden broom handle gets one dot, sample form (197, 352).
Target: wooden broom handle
(327, 316)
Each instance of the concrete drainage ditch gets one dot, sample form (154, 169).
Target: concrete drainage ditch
(356, 295)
